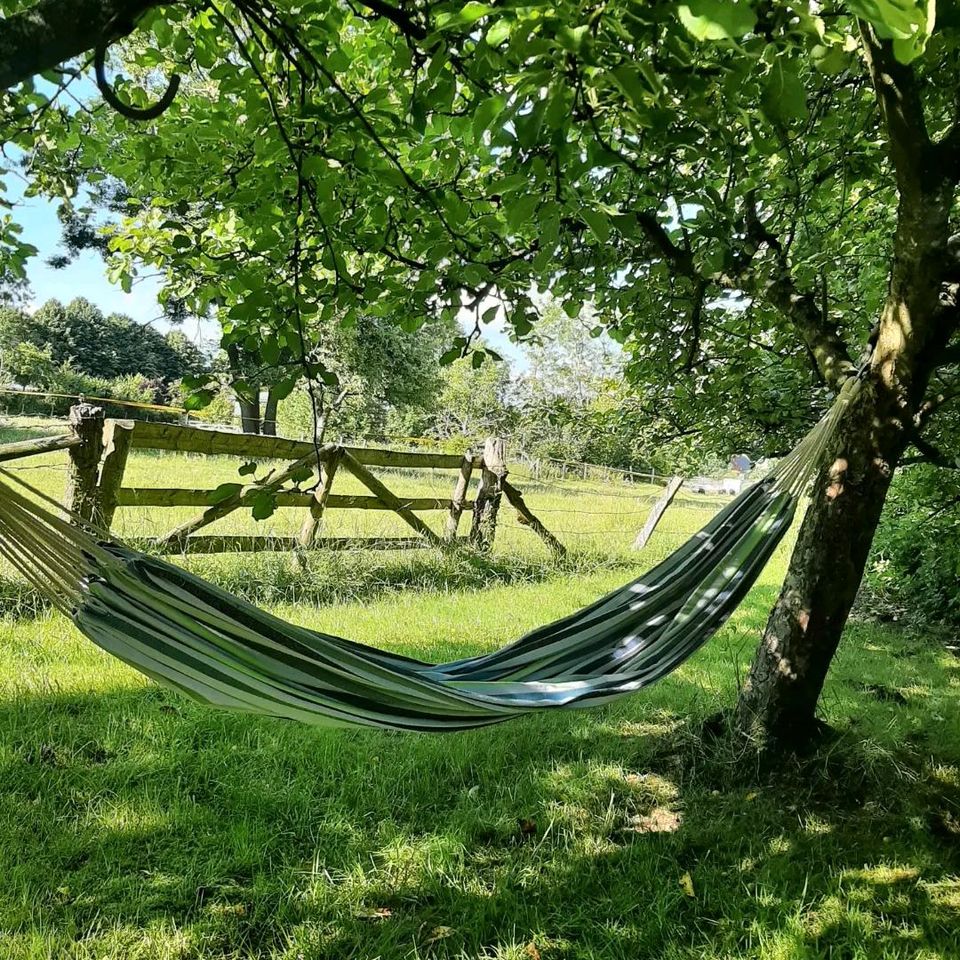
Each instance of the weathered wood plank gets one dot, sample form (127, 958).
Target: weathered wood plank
(657, 512)
(117, 437)
(318, 501)
(377, 488)
(483, 530)
(459, 499)
(173, 497)
(30, 448)
(176, 437)
(400, 458)
(516, 500)
(82, 496)
(240, 544)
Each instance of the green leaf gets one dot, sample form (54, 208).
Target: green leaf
(598, 222)
(784, 97)
(449, 356)
(573, 38)
(270, 351)
(717, 19)
(264, 506)
(520, 209)
(470, 13)
(198, 399)
(301, 474)
(247, 469)
(224, 492)
(499, 32)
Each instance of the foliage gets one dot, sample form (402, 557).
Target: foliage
(26, 364)
(65, 385)
(435, 157)
(221, 408)
(569, 356)
(915, 565)
(473, 402)
(101, 346)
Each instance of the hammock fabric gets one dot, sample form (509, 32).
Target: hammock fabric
(189, 634)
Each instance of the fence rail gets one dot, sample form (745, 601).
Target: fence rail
(99, 449)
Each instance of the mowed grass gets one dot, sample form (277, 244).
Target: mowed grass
(136, 824)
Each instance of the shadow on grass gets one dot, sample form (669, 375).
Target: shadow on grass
(581, 834)
(366, 576)
(20, 601)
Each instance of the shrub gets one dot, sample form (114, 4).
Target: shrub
(914, 568)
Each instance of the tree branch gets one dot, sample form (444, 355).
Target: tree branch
(828, 352)
(52, 31)
(911, 152)
(930, 454)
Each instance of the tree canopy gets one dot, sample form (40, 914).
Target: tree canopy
(112, 346)
(692, 172)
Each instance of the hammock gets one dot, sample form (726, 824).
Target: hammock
(188, 634)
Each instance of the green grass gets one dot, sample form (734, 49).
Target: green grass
(134, 824)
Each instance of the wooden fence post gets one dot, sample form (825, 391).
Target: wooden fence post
(659, 509)
(116, 442)
(308, 531)
(487, 505)
(82, 494)
(459, 496)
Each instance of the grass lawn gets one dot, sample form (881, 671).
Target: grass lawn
(135, 824)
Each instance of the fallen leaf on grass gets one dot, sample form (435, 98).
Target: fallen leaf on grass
(439, 933)
(372, 913)
(532, 952)
(686, 884)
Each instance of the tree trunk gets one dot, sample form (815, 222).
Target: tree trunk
(779, 699)
(250, 412)
(269, 428)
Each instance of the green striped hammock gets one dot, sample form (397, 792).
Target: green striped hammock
(188, 634)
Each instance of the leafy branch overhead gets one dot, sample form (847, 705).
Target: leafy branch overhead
(685, 169)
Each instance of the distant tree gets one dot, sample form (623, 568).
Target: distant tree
(27, 365)
(374, 370)
(473, 400)
(108, 347)
(570, 356)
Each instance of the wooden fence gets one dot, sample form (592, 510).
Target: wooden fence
(99, 448)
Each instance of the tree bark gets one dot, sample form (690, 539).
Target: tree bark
(269, 428)
(52, 31)
(778, 701)
(250, 412)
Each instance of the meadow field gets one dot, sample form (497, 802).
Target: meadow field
(135, 824)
